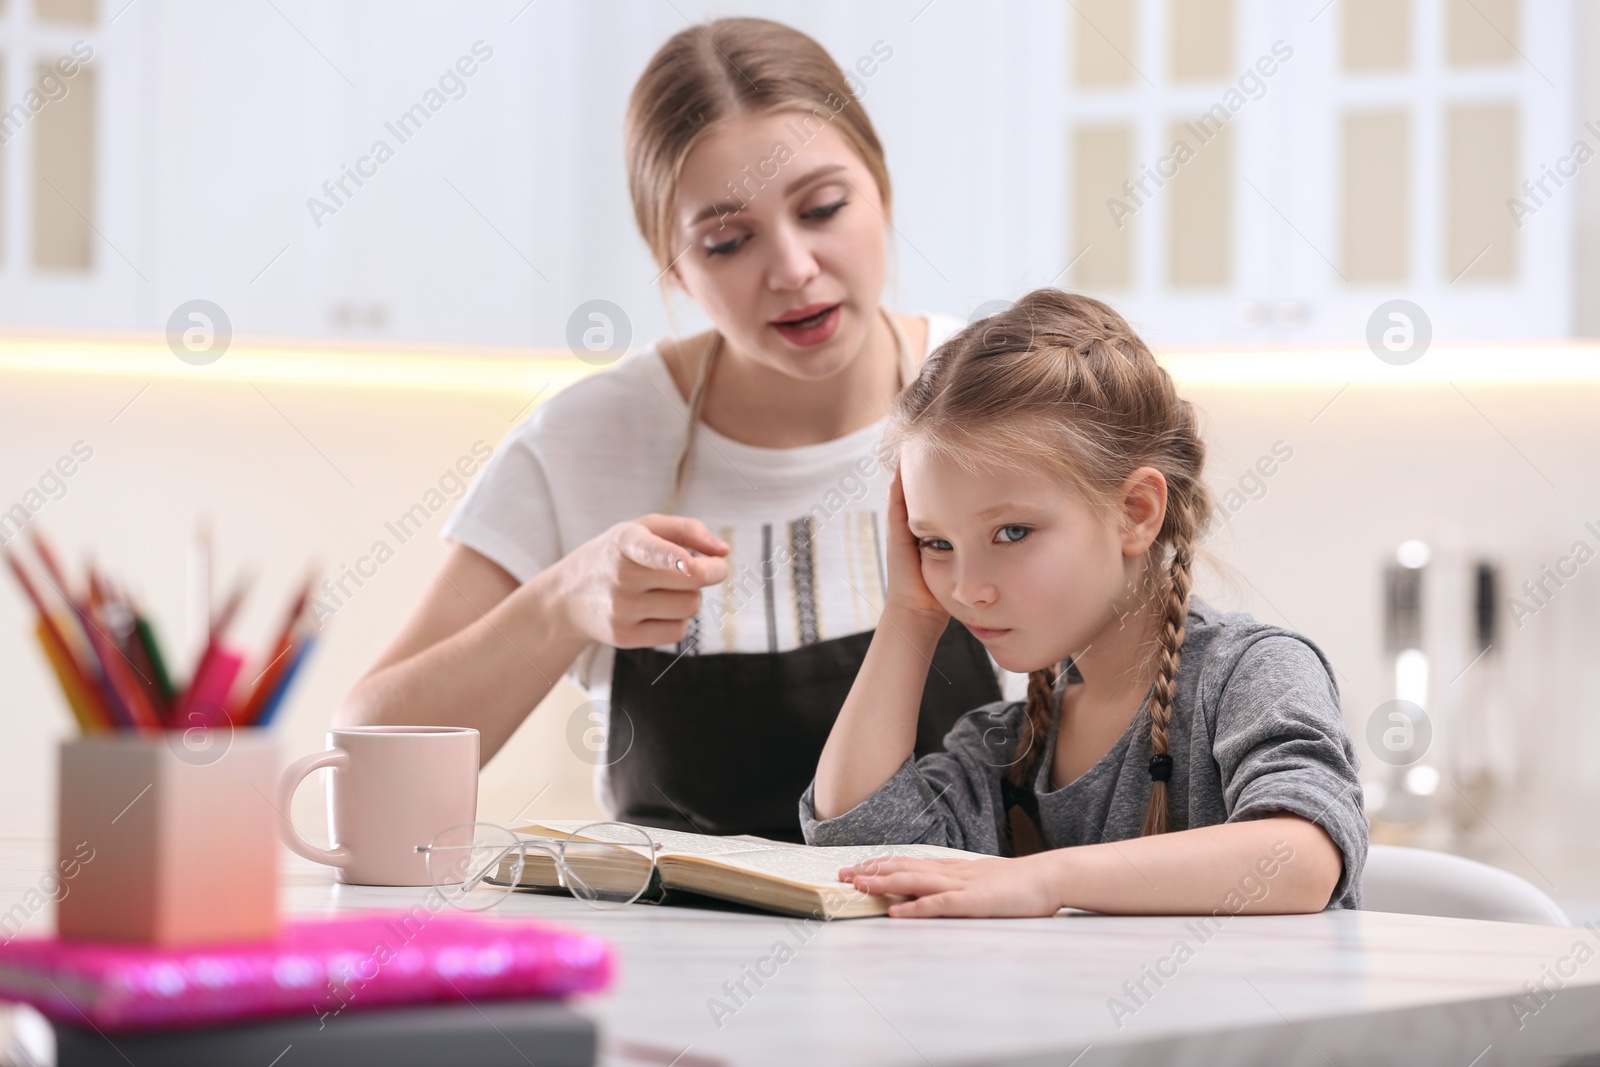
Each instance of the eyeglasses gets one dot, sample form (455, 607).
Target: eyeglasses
(476, 865)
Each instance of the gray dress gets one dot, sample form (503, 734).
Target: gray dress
(1256, 730)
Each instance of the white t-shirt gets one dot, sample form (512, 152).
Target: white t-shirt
(603, 451)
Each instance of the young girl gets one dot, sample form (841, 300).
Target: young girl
(1169, 758)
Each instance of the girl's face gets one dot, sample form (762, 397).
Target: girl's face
(781, 241)
(1022, 559)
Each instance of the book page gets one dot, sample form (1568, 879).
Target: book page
(811, 865)
(819, 865)
(671, 841)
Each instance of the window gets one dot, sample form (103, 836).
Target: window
(1481, 33)
(1202, 40)
(1200, 221)
(1252, 172)
(75, 12)
(63, 174)
(1375, 35)
(1102, 160)
(1376, 192)
(1104, 44)
(49, 135)
(1479, 170)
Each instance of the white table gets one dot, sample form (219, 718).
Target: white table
(1335, 988)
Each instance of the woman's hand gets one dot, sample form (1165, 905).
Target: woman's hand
(958, 888)
(907, 591)
(638, 584)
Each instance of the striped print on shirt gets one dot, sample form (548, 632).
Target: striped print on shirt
(791, 583)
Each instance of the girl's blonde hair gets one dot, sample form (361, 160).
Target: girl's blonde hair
(1062, 379)
(720, 70)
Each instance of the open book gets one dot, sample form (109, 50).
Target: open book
(774, 875)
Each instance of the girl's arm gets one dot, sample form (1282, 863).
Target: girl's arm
(1275, 865)
(877, 728)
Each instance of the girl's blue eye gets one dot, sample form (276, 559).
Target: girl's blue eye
(935, 544)
(1012, 534)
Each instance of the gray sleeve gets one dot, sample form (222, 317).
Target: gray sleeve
(949, 798)
(1282, 746)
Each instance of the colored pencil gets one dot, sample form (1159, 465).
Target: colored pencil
(95, 651)
(275, 701)
(199, 591)
(205, 700)
(57, 648)
(120, 673)
(261, 688)
(79, 698)
(152, 650)
(104, 653)
(230, 607)
(106, 606)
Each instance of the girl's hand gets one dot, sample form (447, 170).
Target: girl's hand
(638, 584)
(956, 888)
(907, 591)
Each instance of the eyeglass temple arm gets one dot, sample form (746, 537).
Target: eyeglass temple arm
(523, 845)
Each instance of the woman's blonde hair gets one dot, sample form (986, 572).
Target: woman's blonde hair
(1062, 379)
(717, 71)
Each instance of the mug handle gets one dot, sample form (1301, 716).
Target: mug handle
(296, 773)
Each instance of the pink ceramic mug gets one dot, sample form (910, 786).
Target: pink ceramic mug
(392, 788)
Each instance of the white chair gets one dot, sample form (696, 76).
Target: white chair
(1416, 881)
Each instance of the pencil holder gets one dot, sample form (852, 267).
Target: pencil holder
(168, 837)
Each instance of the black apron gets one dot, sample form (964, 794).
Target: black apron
(726, 743)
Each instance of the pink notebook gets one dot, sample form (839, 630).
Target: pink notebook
(319, 966)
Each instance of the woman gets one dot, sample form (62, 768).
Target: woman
(726, 623)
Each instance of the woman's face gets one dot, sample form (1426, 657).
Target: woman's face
(780, 238)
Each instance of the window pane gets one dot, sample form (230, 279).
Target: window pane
(1481, 32)
(82, 12)
(1480, 157)
(1377, 196)
(1103, 48)
(1376, 34)
(1202, 40)
(1102, 161)
(1200, 211)
(63, 177)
